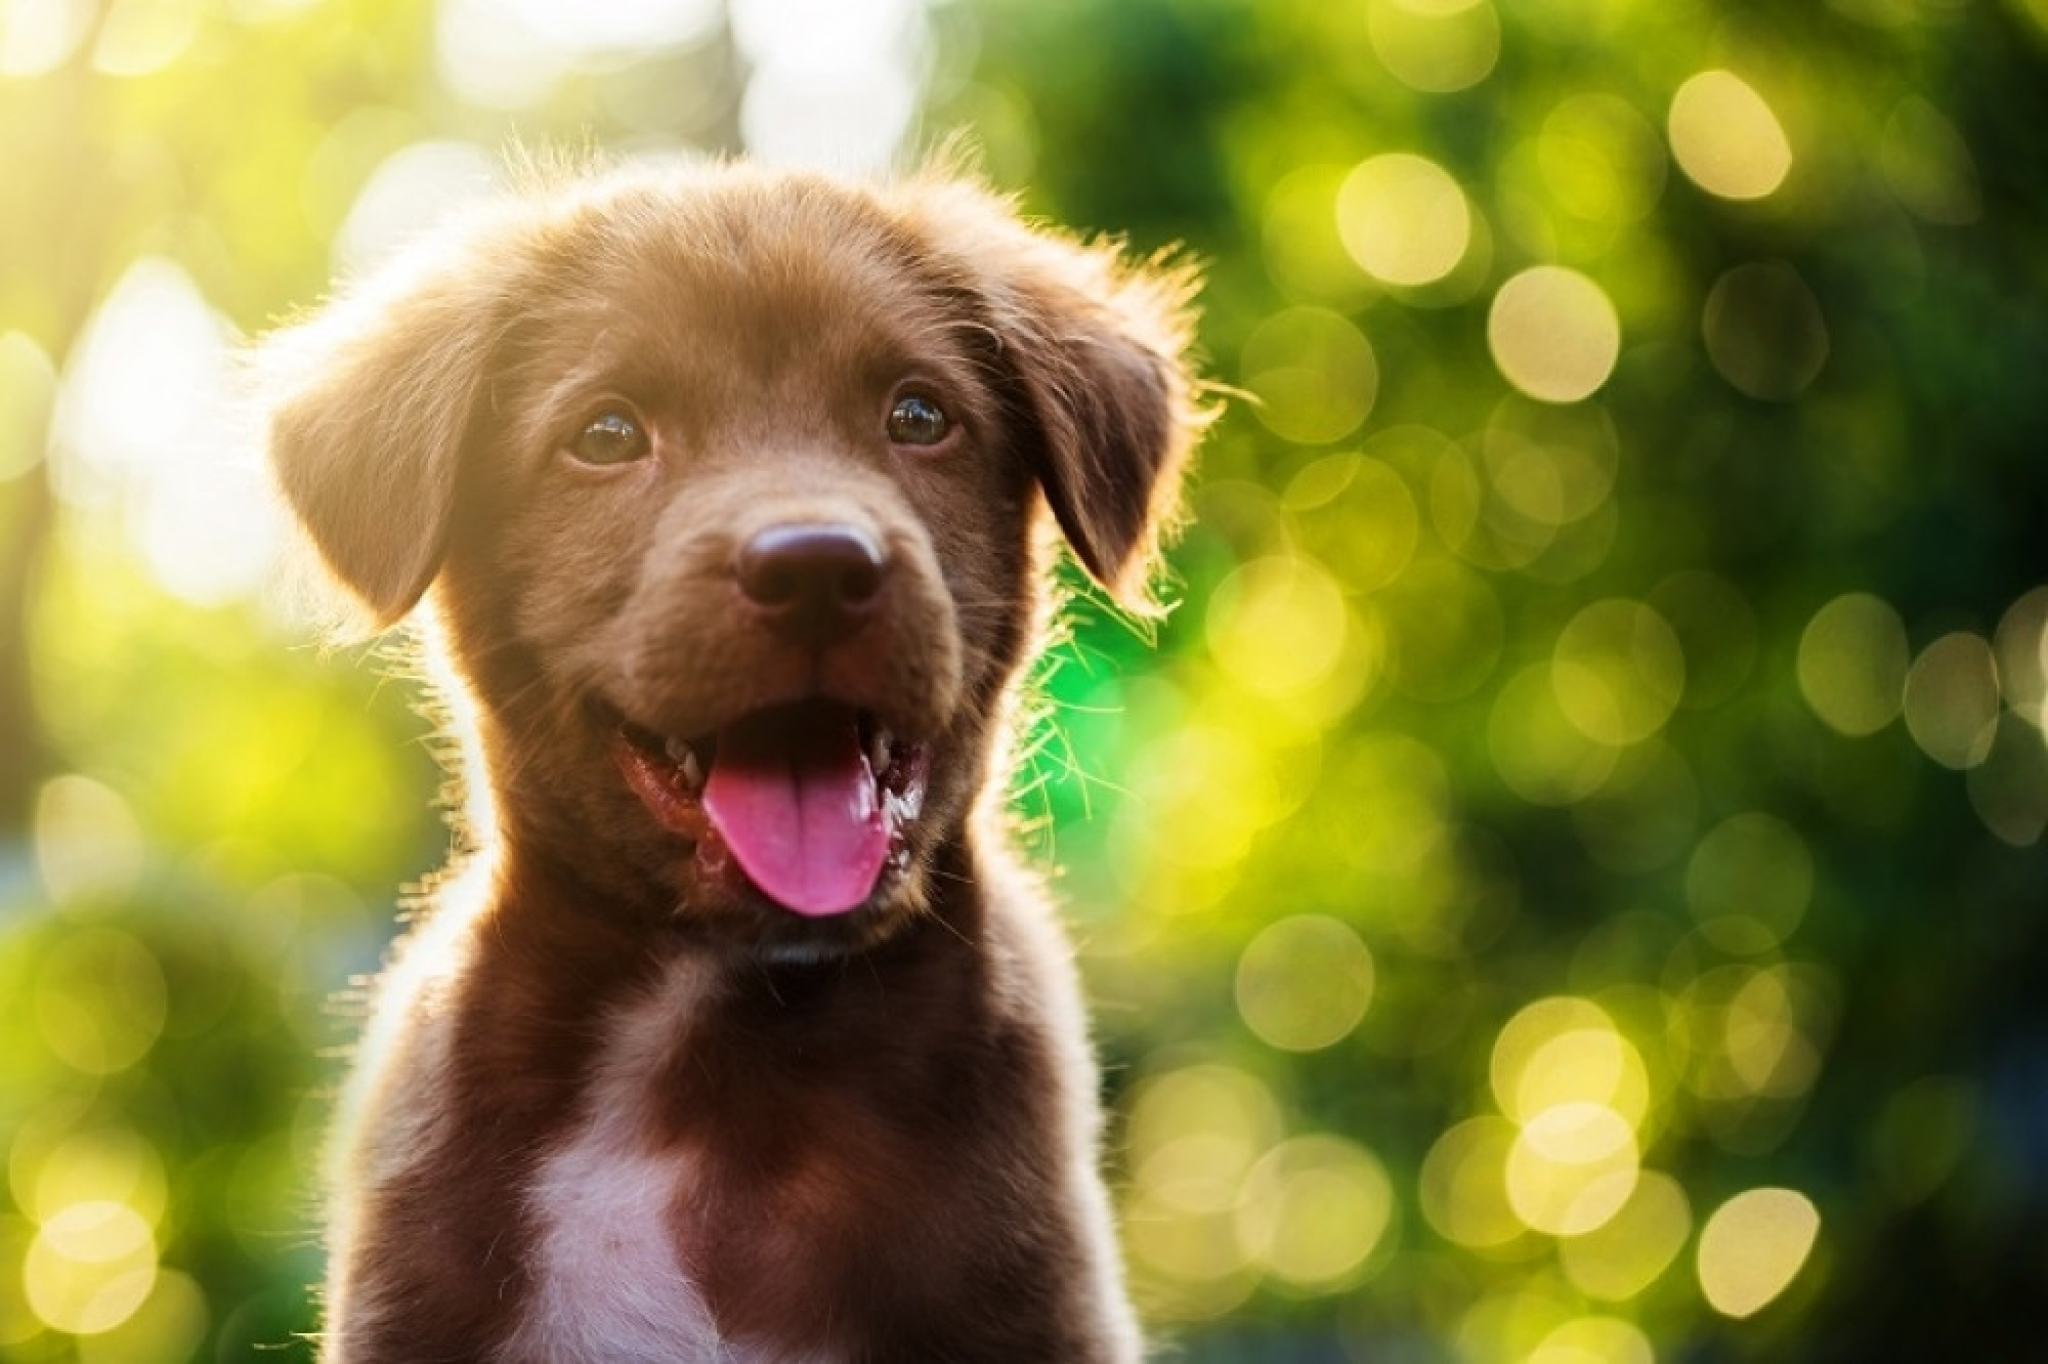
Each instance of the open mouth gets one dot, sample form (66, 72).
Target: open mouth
(810, 799)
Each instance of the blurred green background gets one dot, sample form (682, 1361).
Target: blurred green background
(1567, 884)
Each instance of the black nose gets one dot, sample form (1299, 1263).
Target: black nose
(814, 583)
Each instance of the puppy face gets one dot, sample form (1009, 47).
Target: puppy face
(726, 488)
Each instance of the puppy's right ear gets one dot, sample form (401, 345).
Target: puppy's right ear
(369, 403)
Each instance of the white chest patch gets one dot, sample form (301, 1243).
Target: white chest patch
(607, 1283)
(608, 1287)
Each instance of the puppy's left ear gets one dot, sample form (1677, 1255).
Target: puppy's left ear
(1098, 348)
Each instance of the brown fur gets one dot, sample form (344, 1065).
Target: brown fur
(871, 1135)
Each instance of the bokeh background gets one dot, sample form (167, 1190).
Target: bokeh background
(1565, 885)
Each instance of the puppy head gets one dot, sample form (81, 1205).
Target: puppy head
(724, 485)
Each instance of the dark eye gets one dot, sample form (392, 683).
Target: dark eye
(612, 437)
(917, 420)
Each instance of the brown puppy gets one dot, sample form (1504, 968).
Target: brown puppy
(741, 1036)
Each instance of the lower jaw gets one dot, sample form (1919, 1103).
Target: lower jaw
(713, 904)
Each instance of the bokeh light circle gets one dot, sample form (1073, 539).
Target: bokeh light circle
(1277, 626)
(90, 1267)
(1753, 1246)
(1540, 754)
(1726, 137)
(1630, 1251)
(1315, 1209)
(1313, 373)
(1594, 1340)
(1618, 671)
(1951, 700)
(1304, 982)
(1433, 47)
(1571, 1168)
(1403, 219)
(1852, 663)
(1463, 1184)
(1553, 333)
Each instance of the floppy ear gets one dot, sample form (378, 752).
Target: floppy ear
(369, 404)
(1098, 347)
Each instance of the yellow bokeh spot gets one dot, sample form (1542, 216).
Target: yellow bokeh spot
(1313, 373)
(1852, 663)
(1463, 1184)
(1566, 1050)
(1952, 699)
(1767, 1052)
(1277, 626)
(1432, 46)
(1356, 515)
(100, 1000)
(1551, 464)
(1229, 1116)
(1315, 1209)
(1174, 819)
(1625, 1255)
(1618, 671)
(138, 37)
(1302, 250)
(169, 1328)
(1403, 219)
(1195, 1134)
(1752, 1032)
(1753, 1247)
(1591, 1065)
(88, 844)
(1601, 160)
(90, 1267)
(1305, 982)
(1594, 1340)
(1553, 333)
(1542, 756)
(1749, 882)
(1726, 138)
(100, 1164)
(1572, 1168)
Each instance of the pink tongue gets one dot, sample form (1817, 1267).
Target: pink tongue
(793, 796)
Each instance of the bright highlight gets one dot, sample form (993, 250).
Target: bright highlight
(1753, 1247)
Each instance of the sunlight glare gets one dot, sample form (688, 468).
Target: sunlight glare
(39, 35)
(510, 54)
(834, 82)
(28, 386)
(144, 424)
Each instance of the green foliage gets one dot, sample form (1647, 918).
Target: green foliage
(1566, 881)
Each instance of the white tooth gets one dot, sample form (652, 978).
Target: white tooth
(878, 749)
(685, 757)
